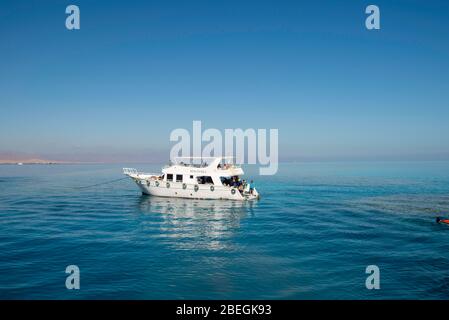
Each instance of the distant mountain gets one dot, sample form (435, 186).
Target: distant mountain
(14, 158)
(30, 161)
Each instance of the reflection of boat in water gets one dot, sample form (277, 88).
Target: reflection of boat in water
(195, 207)
(213, 178)
(191, 223)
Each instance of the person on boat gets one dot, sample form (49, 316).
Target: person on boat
(239, 184)
(442, 220)
(246, 187)
(251, 187)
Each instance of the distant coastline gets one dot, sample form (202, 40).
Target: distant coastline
(31, 161)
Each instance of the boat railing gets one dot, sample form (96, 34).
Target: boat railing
(130, 171)
(145, 175)
(229, 166)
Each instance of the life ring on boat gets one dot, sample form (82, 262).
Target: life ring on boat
(212, 188)
(196, 188)
(168, 184)
(184, 186)
(233, 191)
(157, 183)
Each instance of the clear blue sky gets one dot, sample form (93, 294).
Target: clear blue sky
(138, 69)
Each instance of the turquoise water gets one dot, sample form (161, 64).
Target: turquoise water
(311, 236)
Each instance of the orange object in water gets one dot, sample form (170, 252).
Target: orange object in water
(439, 220)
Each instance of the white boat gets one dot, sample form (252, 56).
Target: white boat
(211, 178)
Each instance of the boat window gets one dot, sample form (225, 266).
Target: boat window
(205, 180)
(179, 178)
(191, 177)
(226, 181)
(169, 177)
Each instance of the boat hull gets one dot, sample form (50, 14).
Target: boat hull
(182, 190)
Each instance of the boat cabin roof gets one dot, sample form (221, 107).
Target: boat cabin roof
(223, 166)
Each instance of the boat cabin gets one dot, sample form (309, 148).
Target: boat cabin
(207, 171)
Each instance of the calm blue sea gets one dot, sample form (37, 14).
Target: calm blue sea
(311, 236)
